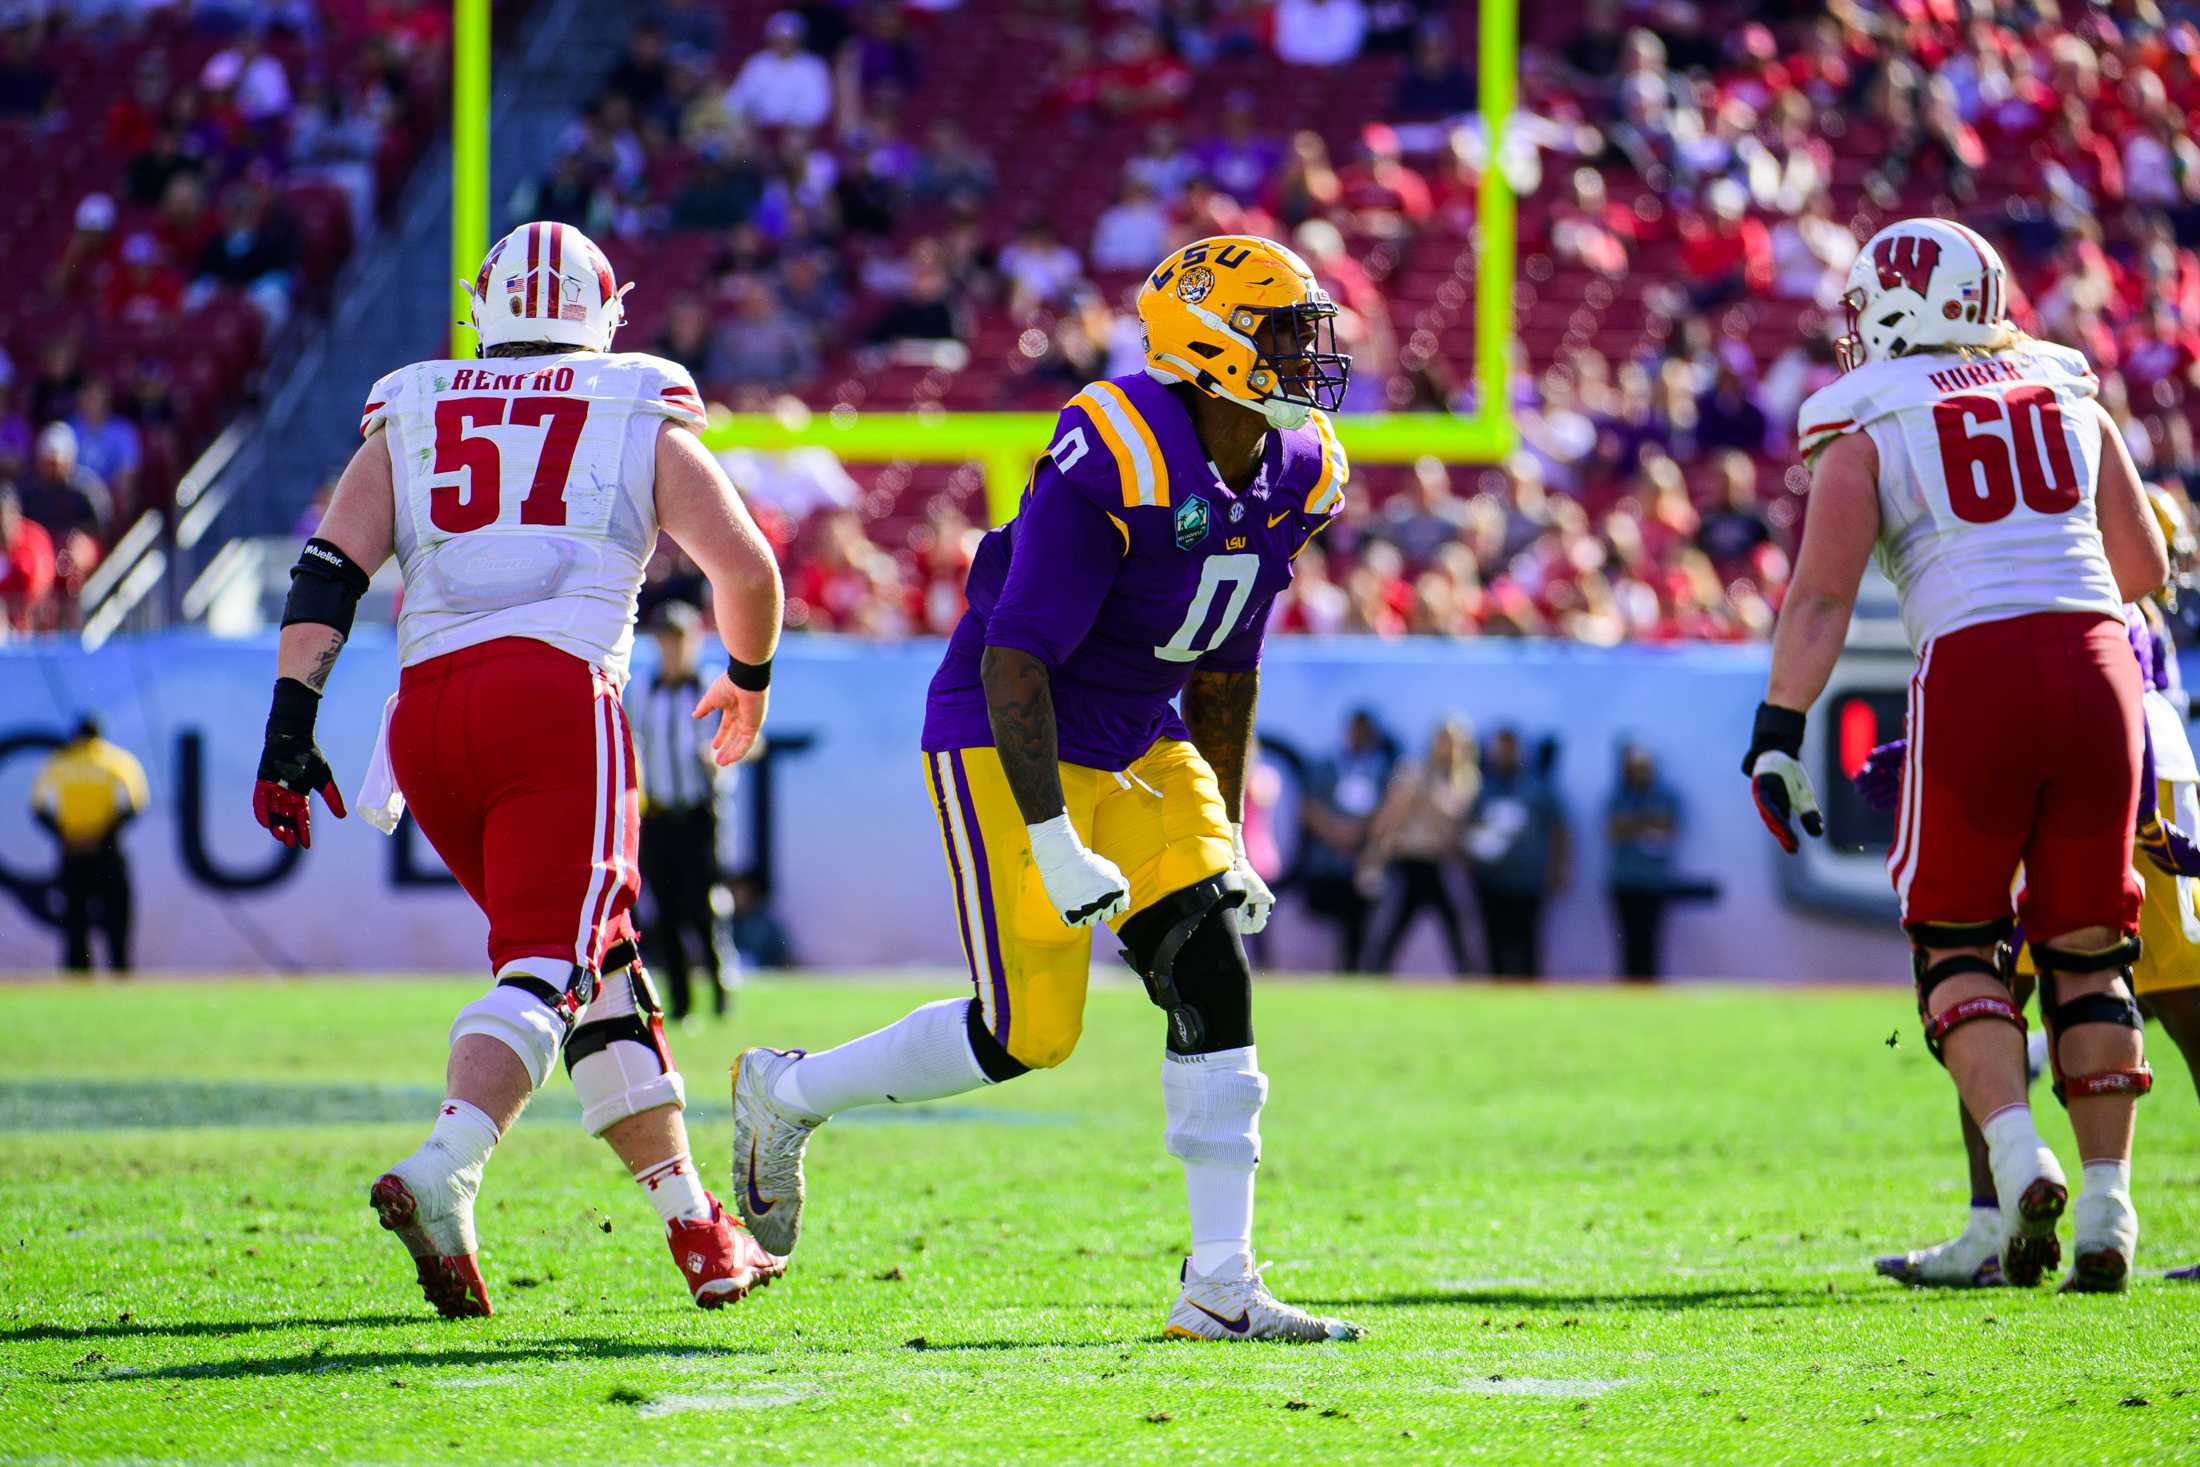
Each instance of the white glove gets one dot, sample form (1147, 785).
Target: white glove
(1084, 886)
(1784, 798)
(1259, 900)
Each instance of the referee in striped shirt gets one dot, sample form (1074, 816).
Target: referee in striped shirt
(679, 809)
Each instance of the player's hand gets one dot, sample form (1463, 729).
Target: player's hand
(1085, 886)
(741, 718)
(291, 768)
(2168, 848)
(1259, 900)
(1879, 782)
(1776, 778)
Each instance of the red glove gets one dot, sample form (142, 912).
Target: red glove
(291, 767)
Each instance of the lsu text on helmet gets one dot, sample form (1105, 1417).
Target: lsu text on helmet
(1242, 318)
(547, 282)
(1922, 283)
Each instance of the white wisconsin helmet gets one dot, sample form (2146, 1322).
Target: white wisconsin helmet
(1922, 283)
(547, 282)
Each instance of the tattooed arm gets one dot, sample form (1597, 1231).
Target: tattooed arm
(361, 522)
(1019, 700)
(1218, 709)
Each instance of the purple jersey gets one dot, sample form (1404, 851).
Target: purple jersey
(1128, 565)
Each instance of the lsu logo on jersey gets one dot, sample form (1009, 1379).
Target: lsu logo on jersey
(1906, 260)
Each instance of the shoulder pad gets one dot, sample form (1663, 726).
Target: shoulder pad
(383, 400)
(1103, 446)
(1844, 405)
(2067, 366)
(1326, 495)
(664, 388)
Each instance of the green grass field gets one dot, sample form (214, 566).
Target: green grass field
(1581, 1225)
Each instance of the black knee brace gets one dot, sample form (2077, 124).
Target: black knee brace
(1929, 976)
(2058, 1015)
(996, 1061)
(1187, 949)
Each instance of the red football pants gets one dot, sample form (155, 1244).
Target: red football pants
(2025, 740)
(515, 759)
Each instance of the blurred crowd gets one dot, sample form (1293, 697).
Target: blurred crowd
(880, 205)
(188, 173)
(1694, 176)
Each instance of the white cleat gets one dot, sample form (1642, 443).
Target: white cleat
(2033, 1194)
(1240, 1307)
(2105, 1238)
(768, 1138)
(429, 1204)
(1970, 1260)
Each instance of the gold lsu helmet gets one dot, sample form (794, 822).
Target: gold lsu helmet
(2184, 549)
(1242, 318)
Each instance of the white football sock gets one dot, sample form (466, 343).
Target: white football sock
(2011, 1126)
(1212, 1102)
(464, 1133)
(1220, 1195)
(2103, 1177)
(923, 1056)
(675, 1190)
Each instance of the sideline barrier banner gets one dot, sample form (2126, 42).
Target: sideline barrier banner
(838, 814)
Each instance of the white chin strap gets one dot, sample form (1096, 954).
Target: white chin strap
(1279, 412)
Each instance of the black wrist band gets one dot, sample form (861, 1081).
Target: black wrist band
(1776, 728)
(749, 677)
(293, 707)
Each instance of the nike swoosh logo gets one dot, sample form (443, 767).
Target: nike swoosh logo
(1237, 1326)
(759, 1204)
(1277, 519)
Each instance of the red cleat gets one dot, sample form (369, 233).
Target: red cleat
(451, 1282)
(718, 1258)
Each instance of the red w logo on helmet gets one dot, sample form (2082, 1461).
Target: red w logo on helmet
(1906, 260)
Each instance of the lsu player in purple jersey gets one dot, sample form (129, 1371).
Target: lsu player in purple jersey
(1072, 789)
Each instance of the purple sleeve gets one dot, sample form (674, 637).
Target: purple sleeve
(1240, 652)
(1064, 552)
(2142, 645)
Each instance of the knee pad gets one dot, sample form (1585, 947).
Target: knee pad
(528, 1013)
(1178, 945)
(2058, 1015)
(618, 1058)
(1215, 978)
(1929, 976)
(1213, 1103)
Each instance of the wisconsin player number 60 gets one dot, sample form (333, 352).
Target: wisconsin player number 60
(1990, 493)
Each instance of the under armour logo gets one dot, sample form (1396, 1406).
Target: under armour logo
(1907, 259)
(450, 1110)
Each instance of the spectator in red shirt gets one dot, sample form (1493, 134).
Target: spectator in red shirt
(144, 288)
(81, 272)
(26, 566)
(1726, 254)
(1387, 198)
(2161, 351)
(134, 117)
(1141, 80)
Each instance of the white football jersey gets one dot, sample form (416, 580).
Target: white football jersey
(526, 496)
(1987, 474)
